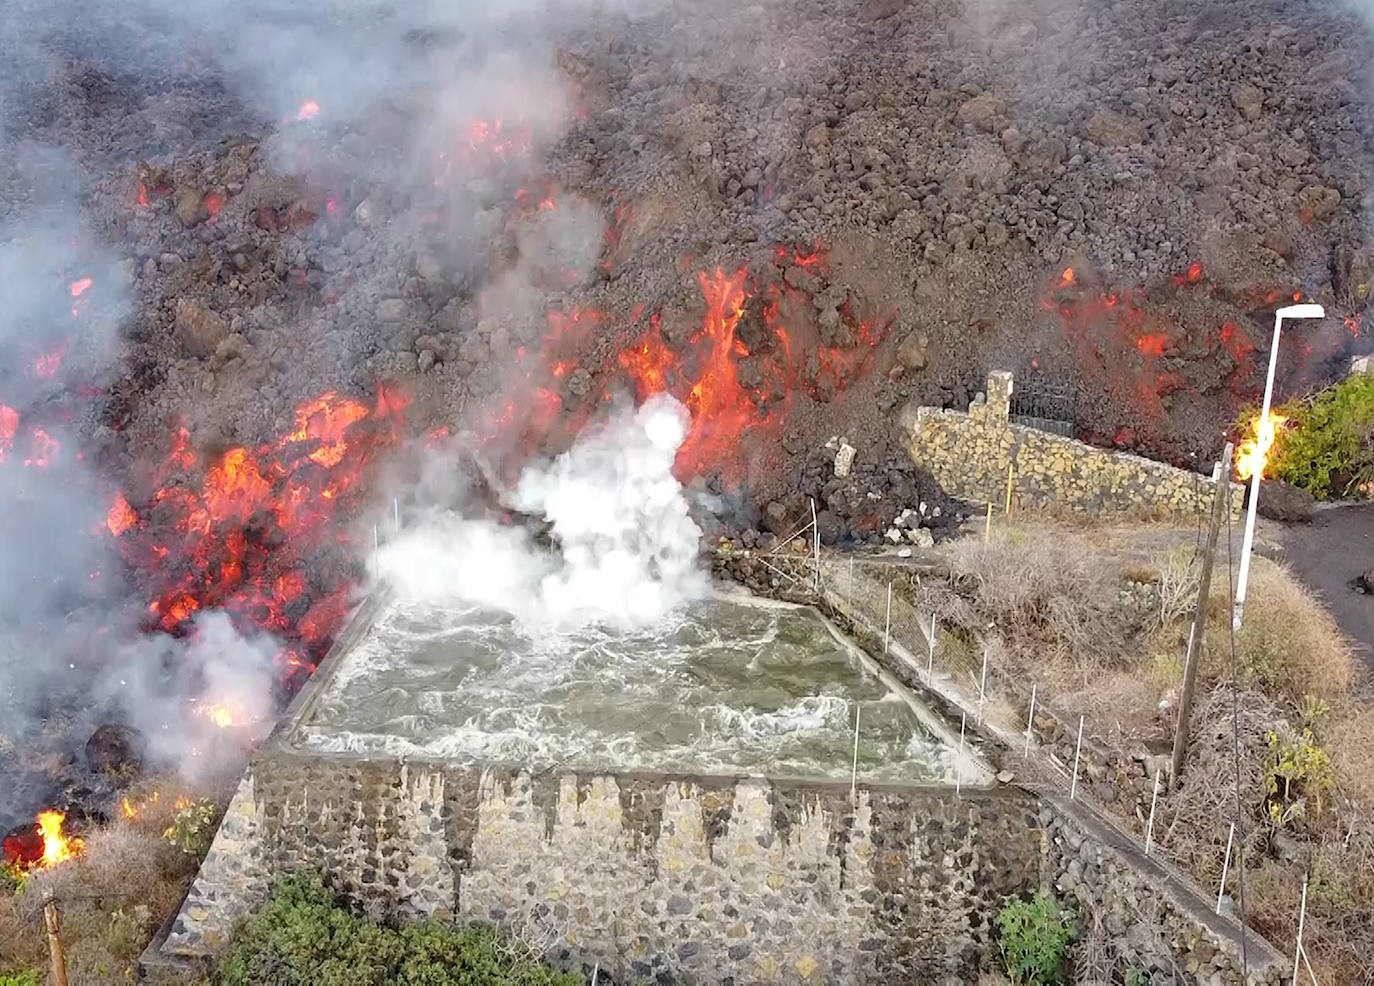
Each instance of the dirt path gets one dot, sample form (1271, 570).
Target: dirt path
(1328, 555)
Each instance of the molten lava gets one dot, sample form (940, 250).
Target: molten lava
(243, 536)
(308, 111)
(1253, 452)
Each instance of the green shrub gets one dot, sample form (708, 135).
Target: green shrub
(305, 937)
(29, 977)
(1327, 446)
(1300, 773)
(193, 827)
(11, 879)
(1034, 936)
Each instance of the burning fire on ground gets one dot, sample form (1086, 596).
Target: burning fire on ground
(42, 846)
(1253, 452)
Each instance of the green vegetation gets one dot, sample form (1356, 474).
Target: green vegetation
(1327, 445)
(193, 827)
(305, 937)
(11, 880)
(1300, 773)
(1034, 937)
(29, 977)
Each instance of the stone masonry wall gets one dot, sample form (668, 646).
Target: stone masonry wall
(968, 453)
(677, 879)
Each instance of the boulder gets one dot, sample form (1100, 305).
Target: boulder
(1248, 99)
(1285, 502)
(199, 329)
(1108, 128)
(115, 749)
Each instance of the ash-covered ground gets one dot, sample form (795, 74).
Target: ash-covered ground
(796, 217)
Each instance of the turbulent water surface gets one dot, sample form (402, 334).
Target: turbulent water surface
(724, 684)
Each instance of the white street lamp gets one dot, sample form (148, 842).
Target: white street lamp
(1292, 311)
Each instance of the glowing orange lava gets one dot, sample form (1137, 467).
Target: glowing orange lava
(308, 111)
(81, 286)
(121, 516)
(240, 531)
(1067, 277)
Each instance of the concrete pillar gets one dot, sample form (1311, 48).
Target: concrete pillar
(999, 397)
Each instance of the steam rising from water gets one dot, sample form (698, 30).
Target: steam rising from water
(626, 546)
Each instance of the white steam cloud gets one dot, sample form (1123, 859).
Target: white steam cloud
(626, 546)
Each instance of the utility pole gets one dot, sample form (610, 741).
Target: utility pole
(1221, 501)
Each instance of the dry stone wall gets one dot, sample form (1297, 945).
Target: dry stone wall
(970, 453)
(681, 879)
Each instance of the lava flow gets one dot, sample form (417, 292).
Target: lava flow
(257, 532)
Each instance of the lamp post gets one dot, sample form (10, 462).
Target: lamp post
(1292, 311)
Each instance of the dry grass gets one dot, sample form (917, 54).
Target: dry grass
(1288, 645)
(112, 900)
(1051, 598)
(1045, 594)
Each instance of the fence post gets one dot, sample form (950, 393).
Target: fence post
(1030, 719)
(1150, 828)
(1302, 917)
(930, 659)
(816, 543)
(1078, 748)
(52, 923)
(982, 686)
(959, 760)
(854, 770)
(887, 622)
(1225, 866)
(1221, 498)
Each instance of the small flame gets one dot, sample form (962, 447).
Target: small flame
(1194, 272)
(127, 809)
(1067, 278)
(57, 848)
(1250, 460)
(308, 111)
(142, 194)
(219, 716)
(81, 285)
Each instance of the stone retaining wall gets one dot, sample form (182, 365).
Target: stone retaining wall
(969, 452)
(694, 879)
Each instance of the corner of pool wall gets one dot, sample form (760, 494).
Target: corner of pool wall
(671, 875)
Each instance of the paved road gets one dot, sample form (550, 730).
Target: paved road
(1328, 555)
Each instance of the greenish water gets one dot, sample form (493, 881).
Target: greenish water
(726, 684)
